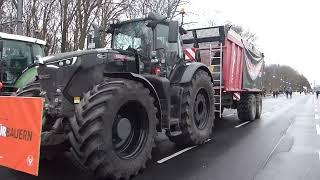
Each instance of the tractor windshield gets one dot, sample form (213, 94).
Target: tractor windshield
(15, 57)
(134, 35)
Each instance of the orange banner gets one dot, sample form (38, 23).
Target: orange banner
(20, 133)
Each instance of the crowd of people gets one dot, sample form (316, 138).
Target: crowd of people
(288, 91)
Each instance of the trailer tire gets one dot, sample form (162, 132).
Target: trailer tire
(258, 106)
(247, 107)
(197, 111)
(113, 130)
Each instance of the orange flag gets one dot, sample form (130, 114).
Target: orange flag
(20, 133)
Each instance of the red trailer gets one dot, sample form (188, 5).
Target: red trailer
(236, 67)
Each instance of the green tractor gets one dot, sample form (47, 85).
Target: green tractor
(16, 54)
(107, 105)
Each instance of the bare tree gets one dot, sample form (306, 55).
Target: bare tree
(247, 35)
(168, 8)
(65, 24)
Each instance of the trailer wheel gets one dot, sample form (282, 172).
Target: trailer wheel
(247, 107)
(197, 111)
(113, 130)
(258, 106)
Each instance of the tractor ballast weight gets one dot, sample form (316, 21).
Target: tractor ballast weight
(108, 104)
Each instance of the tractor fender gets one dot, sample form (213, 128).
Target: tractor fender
(28, 76)
(144, 81)
(191, 69)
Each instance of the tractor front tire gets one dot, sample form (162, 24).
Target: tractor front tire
(197, 111)
(247, 107)
(113, 130)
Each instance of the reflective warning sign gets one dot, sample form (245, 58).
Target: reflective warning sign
(20, 132)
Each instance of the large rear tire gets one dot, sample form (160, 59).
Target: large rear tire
(113, 129)
(197, 111)
(247, 107)
(258, 106)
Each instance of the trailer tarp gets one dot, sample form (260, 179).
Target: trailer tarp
(252, 68)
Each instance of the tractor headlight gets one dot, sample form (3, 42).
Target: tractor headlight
(64, 62)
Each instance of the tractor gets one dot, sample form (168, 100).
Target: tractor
(106, 106)
(16, 54)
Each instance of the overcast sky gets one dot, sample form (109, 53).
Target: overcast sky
(288, 30)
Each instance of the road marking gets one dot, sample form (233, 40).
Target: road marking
(269, 156)
(316, 116)
(228, 115)
(242, 124)
(316, 110)
(318, 129)
(319, 155)
(174, 155)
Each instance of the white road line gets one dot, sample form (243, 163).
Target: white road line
(318, 129)
(269, 156)
(174, 155)
(319, 155)
(242, 124)
(316, 110)
(316, 116)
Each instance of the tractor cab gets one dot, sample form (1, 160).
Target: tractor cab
(153, 39)
(16, 54)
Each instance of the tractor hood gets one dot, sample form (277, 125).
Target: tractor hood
(67, 55)
(65, 77)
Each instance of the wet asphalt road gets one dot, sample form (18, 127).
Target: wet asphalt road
(283, 144)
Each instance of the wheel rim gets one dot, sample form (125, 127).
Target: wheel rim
(129, 130)
(201, 109)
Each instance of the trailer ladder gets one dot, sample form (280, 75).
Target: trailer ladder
(217, 70)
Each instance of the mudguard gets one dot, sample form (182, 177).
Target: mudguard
(189, 71)
(28, 75)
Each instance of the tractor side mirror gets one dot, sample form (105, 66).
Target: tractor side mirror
(173, 32)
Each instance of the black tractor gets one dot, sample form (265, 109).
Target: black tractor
(109, 104)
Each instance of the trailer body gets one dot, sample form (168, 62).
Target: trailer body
(235, 64)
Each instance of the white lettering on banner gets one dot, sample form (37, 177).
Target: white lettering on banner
(3, 131)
